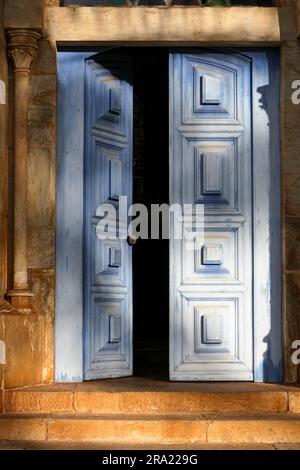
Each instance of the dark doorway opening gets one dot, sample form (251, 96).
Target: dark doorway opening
(151, 177)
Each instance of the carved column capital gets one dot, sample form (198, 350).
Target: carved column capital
(22, 47)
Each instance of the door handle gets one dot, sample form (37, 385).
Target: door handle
(131, 240)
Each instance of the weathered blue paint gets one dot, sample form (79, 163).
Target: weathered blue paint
(69, 217)
(265, 203)
(225, 300)
(108, 175)
(266, 217)
(72, 72)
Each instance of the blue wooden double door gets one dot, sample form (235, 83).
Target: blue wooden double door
(199, 153)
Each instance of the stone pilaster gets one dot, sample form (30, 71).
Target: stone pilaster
(22, 49)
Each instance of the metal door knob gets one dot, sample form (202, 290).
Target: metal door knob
(131, 240)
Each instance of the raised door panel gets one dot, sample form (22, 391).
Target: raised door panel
(211, 164)
(108, 175)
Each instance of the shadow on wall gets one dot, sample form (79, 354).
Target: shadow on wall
(269, 102)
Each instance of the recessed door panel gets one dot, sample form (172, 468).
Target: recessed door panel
(108, 175)
(211, 164)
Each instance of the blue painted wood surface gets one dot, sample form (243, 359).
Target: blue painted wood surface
(203, 279)
(266, 217)
(69, 217)
(107, 288)
(225, 297)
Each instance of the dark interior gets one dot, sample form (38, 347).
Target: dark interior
(151, 176)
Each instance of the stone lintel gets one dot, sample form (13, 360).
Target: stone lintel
(192, 25)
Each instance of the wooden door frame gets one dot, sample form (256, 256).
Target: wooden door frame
(267, 224)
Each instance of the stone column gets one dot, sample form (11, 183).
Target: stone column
(22, 48)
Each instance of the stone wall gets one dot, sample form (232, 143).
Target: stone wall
(3, 181)
(290, 168)
(41, 188)
(28, 337)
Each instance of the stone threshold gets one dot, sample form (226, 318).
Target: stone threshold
(138, 396)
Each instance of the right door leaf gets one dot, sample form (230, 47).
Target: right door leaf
(211, 313)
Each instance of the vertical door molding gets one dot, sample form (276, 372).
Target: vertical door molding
(266, 217)
(22, 48)
(69, 217)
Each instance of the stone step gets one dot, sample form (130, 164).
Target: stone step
(150, 429)
(100, 398)
(111, 446)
